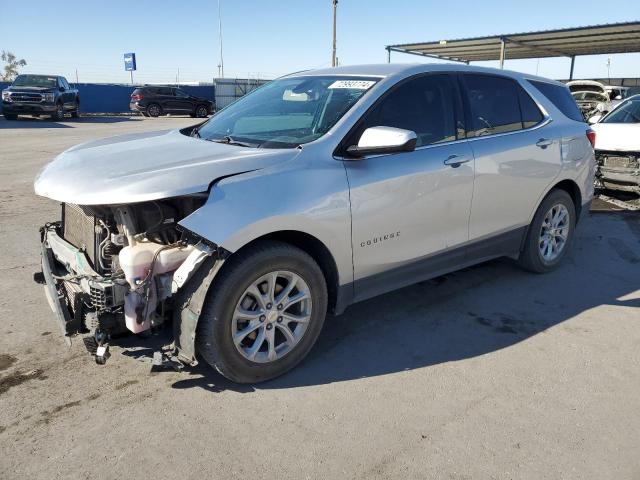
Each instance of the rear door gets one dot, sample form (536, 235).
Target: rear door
(68, 98)
(409, 207)
(517, 155)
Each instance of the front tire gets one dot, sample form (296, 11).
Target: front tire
(550, 234)
(59, 113)
(263, 313)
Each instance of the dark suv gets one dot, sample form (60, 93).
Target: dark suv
(155, 101)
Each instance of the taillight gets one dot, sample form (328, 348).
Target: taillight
(136, 97)
(591, 135)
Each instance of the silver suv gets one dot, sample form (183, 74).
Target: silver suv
(318, 190)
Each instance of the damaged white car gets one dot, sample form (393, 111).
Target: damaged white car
(618, 147)
(313, 192)
(591, 96)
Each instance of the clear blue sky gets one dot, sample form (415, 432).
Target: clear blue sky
(271, 38)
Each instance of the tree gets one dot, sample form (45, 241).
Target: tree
(11, 65)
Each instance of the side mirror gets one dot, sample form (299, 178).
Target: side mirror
(618, 97)
(61, 89)
(594, 119)
(379, 140)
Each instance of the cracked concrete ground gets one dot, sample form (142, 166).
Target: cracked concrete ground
(490, 372)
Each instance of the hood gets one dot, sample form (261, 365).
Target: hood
(11, 88)
(586, 86)
(624, 137)
(148, 166)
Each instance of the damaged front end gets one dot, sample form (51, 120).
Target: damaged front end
(618, 170)
(117, 268)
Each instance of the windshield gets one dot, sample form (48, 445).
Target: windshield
(627, 112)
(598, 97)
(286, 113)
(35, 81)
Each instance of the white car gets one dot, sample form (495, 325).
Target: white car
(617, 94)
(591, 96)
(618, 146)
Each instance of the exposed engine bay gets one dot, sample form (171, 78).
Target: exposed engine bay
(118, 268)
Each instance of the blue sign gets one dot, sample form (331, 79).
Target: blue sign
(129, 62)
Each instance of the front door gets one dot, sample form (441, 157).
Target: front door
(180, 102)
(410, 210)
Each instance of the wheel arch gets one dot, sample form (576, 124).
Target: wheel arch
(317, 250)
(572, 188)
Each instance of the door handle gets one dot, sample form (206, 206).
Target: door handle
(456, 160)
(544, 143)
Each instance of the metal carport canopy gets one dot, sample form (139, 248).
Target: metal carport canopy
(567, 42)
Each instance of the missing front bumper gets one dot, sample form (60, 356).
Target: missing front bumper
(56, 297)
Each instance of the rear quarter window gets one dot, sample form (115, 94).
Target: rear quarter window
(560, 97)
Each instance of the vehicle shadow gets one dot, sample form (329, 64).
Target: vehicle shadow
(466, 314)
(46, 122)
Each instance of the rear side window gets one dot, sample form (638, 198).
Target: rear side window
(493, 105)
(424, 105)
(531, 114)
(560, 97)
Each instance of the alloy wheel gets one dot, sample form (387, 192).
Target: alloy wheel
(554, 232)
(271, 316)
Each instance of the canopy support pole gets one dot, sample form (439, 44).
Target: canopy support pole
(573, 61)
(388, 55)
(503, 45)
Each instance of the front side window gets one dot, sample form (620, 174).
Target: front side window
(180, 93)
(424, 105)
(288, 112)
(627, 112)
(493, 105)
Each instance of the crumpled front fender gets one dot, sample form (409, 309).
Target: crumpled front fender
(312, 198)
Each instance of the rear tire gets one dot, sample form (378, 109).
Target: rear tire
(10, 116)
(76, 111)
(154, 110)
(231, 293)
(201, 111)
(550, 234)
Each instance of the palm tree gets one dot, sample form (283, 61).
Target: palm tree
(11, 66)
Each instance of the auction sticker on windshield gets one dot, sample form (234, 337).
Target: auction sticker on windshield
(354, 84)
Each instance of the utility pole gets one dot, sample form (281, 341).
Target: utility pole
(221, 63)
(334, 58)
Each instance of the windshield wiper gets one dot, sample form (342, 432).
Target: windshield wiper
(195, 133)
(230, 141)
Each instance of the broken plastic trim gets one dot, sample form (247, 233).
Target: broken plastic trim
(192, 294)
